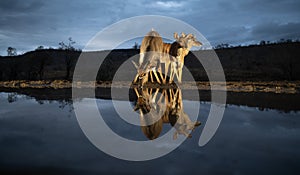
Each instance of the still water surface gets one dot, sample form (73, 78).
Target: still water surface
(43, 136)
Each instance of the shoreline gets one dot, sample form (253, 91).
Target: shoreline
(262, 100)
(278, 87)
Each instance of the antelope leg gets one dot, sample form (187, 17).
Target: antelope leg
(151, 76)
(162, 77)
(135, 78)
(156, 76)
(172, 73)
(180, 73)
(166, 71)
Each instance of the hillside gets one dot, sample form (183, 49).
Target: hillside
(251, 63)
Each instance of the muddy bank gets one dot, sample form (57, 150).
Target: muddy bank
(286, 87)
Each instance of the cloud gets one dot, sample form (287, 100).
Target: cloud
(270, 31)
(167, 4)
(19, 5)
(232, 35)
(27, 24)
(275, 31)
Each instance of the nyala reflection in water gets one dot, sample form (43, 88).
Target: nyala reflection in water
(157, 107)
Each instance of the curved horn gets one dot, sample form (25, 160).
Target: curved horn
(190, 35)
(135, 64)
(176, 35)
(182, 34)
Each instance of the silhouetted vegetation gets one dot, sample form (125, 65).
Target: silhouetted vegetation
(11, 51)
(40, 48)
(136, 46)
(69, 61)
(222, 46)
(262, 43)
(263, 61)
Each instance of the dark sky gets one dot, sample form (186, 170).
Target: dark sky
(26, 24)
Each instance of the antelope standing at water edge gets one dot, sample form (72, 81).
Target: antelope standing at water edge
(154, 52)
(187, 42)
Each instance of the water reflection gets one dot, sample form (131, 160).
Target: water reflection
(263, 101)
(42, 139)
(157, 107)
(13, 97)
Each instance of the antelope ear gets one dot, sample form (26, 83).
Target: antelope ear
(197, 43)
(135, 64)
(182, 34)
(176, 35)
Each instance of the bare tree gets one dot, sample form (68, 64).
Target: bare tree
(69, 48)
(40, 48)
(11, 51)
(262, 42)
(136, 46)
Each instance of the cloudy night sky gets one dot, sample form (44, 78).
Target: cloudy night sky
(27, 24)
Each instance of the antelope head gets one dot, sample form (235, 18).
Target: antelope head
(142, 71)
(187, 41)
